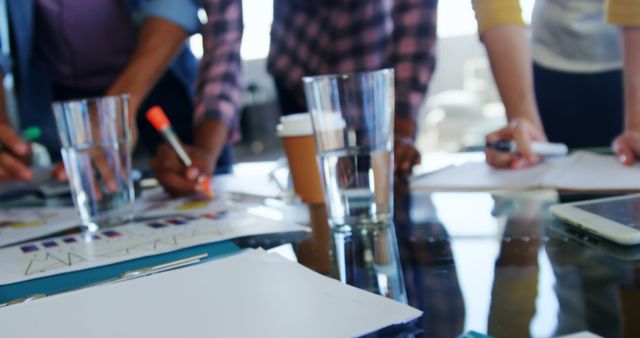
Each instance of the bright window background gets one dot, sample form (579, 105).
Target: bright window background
(258, 15)
(455, 18)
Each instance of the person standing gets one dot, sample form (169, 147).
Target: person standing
(584, 86)
(219, 91)
(70, 49)
(314, 37)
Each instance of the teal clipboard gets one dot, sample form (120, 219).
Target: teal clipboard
(77, 279)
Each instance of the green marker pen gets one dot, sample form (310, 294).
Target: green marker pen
(30, 134)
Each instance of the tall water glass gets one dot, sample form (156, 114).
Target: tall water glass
(353, 116)
(96, 149)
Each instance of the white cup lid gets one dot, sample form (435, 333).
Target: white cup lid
(295, 125)
(329, 121)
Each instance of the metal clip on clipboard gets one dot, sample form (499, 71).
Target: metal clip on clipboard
(133, 274)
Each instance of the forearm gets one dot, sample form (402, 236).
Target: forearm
(404, 128)
(631, 43)
(158, 43)
(510, 57)
(211, 136)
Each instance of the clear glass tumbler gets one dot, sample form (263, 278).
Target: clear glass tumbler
(353, 116)
(96, 148)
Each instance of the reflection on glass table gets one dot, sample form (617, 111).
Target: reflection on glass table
(495, 263)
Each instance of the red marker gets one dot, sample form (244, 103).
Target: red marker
(159, 120)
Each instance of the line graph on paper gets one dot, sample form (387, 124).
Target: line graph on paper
(82, 251)
(51, 260)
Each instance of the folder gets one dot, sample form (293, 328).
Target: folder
(78, 279)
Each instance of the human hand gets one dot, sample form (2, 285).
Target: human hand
(175, 177)
(102, 171)
(627, 146)
(405, 155)
(522, 132)
(345, 168)
(58, 172)
(15, 156)
(104, 165)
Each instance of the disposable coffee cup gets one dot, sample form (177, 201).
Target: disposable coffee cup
(330, 131)
(296, 132)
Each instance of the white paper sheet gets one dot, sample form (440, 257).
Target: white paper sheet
(252, 294)
(583, 334)
(594, 172)
(478, 176)
(76, 252)
(253, 179)
(23, 224)
(581, 171)
(160, 204)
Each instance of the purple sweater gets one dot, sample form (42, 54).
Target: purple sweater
(83, 43)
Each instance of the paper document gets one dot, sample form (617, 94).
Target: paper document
(260, 179)
(581, 171)
(77, 252)
(160, 204)
(23, 224)
(258, 185)
(251, 294)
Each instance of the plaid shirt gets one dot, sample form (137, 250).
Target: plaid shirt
(311, 37)
(219, 86)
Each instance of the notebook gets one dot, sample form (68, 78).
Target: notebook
(581, 171)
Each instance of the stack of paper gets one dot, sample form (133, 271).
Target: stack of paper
(581, 172)
(253, 294)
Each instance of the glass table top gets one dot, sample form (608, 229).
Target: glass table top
(495, 263)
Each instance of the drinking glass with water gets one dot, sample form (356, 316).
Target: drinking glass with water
(96, 149)
(353, 116)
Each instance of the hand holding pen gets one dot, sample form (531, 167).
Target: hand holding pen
(15, 153)
(519, 145)
(181, 170)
